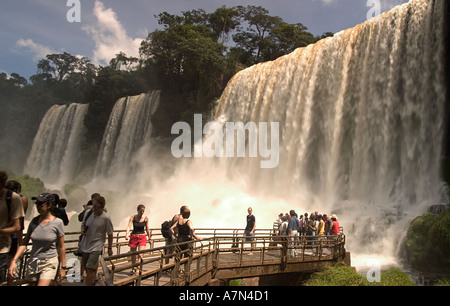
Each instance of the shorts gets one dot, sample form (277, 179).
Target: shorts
(3, 266)
(137, 240)
(90, 260)
(248, 237)
(41, 269)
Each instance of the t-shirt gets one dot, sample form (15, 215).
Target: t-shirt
(44, 239)
(320, 228)
(98, 228)
(250, 223)
(15, 212)
(294, 223)
(284, 229)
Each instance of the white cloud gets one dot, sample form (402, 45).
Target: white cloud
(110, 36)
(39, 51)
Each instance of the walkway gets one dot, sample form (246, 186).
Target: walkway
(219, 257)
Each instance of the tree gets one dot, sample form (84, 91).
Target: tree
(260, 23)
(68, 76)
(190, 65)
(223, 21)
(284, 38)
(121, 61)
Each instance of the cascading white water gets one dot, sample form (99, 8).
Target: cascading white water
(128, 130)
(361, 122)
(361, 126)
(54, 156)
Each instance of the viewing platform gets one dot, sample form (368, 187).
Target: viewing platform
(222, 255)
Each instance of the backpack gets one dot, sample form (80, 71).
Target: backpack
(33, 224)
(165, 229)
(8, 199)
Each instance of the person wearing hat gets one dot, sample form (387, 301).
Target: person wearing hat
(48, 249)
(334, 230)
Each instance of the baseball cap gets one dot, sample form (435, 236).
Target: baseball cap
(45, 198)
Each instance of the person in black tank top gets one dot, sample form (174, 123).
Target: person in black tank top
(186, 231)
(138, 237)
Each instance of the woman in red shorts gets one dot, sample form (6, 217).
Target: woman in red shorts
(138, 237)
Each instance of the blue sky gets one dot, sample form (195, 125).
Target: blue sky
(31, 29)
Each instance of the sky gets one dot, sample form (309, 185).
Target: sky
(99, 29)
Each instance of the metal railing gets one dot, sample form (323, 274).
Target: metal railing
(197, 261)
(223, 249)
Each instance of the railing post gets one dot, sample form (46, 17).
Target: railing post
(284, 253)
(106, 272)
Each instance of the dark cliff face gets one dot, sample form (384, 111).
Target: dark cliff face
(446, 146)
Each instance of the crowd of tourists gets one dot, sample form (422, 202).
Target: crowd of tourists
(47, 258)
(314, 224)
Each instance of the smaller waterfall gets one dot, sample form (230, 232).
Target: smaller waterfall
(54, 156)
(126, 134)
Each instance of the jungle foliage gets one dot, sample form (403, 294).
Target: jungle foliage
(190, 58)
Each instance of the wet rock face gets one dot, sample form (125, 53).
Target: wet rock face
(438, 208)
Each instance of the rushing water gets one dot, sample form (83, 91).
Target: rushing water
(128, 129)
(54, 156)
(361, 120)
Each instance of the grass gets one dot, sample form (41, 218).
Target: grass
(341, 275)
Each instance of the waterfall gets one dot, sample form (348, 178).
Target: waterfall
(361, 122)
(126, 134)
(54, 155)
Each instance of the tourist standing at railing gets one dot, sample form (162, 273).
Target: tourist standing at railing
(320, 225)
(293, 231)
(300, 227)
(334, 225)
(311, 228)
(95, 227)
(11, 212)
(327, 225)
(249, 231)
(139, 233)
(48, 250)
(186, 231)
(171, 239)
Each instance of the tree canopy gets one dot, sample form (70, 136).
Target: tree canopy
(190, 59)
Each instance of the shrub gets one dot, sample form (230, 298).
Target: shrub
(427, 243)
(337, 275)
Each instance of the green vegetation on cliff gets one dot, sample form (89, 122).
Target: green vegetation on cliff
(428, 243)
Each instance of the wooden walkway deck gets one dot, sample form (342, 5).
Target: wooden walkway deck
(221, 255)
